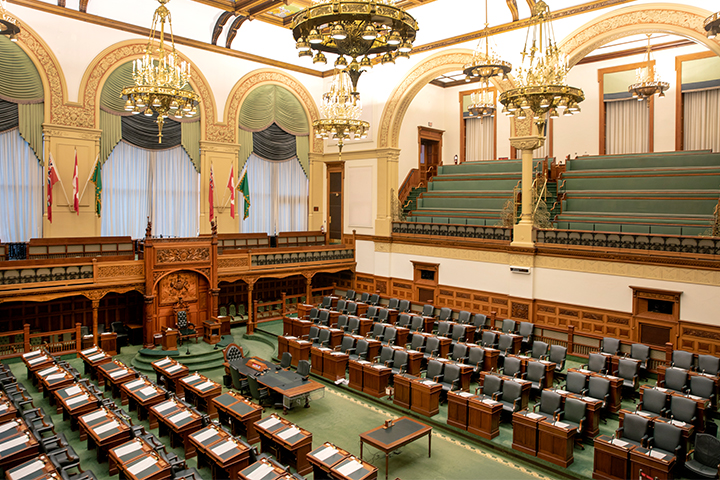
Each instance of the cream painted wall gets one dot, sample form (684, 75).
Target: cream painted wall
(360, 187)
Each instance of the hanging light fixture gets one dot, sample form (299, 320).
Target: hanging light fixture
(8, 24)
(354, 29)
(482, 102)
(160, 78)
(647, 82)
(487, 64)
(341, 109)
(543, 86)
(712, 25)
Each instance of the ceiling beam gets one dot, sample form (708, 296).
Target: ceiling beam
(219, 25)
(634, 51)
(237, 23)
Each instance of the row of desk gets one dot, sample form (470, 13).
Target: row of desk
(615, 459)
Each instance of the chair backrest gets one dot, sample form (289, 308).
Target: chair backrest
(443, 328)
(549, 401)
(504, 342)
(314, 313)
(526, 329)
(383, 315)
(628, 369)
(654, 400)
(232, 310)
(489, 339)
(641, 352)
(182, 319)
(558, 354)
(254, 387)
(492, 384)
(574, 409)
(433, 343)
(460, 350)
(374, 299)
(362, 347)
(350, 295)
(464, 317)
(390, 334)
(393, 303)
(342, 321)
(324, 317)
(610, 345)
(364, 297)
(403, 319)
(512, 366)
(235, 376)
(709, 364)
(386, 353)
(417, 342)
(508, 326)
(353, 324)
(404, 306)
(445, 314)
(434, 369)
(417, 323)
(701, 386)
(539, 349)
(635, 427)
(682, 359)
(535, 371)
(351, 308)
(479, 320)
(326, 302)
(676, 378)
(707, 450)
(232, 352)
(340, 307)
(476, 356)
(667, 436)
(682, 408)
(452, 373)
(286, 360)
(598, 387)
(400, 358)
(428, 310)
(324, 336)
(511, 391)
(458, 332)
(372, 312)
(303, 368)
(347, 343)
(596, 362)
(313, 332)
(378, 330)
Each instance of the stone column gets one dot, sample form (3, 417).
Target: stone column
(95, 306)
(387, 180)
(522, 231)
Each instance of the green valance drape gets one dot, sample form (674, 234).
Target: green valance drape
(245, 138)
(30, 119)
(191, 141)
(303, 152)
(111, 126)
(273, 103)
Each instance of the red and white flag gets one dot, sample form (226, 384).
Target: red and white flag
(52, 179)
(231, 186)
(76, 188)
(211, 195)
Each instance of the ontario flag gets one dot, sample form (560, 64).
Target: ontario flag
(211, 195)
(52, 179)
(231, 186)
(76, 188)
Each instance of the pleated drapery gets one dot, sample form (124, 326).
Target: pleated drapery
(111, 126)
(21, 189)
(626, 127)
(138, 183)
(8, 115)
(245, 138)
(274, 143)
(701, 117)
(268, 104)
(142, 132)
(479, 139)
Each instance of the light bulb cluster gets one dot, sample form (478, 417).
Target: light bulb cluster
(482, 103)
(487, 64)
(341, 109)
(8, 24)
(647, 81)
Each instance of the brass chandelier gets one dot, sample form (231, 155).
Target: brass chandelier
(8, 24)
(482, 102)
(353, 30)
(543, 89)
(341, 109)
(488, 64)
(160, 78)
(712, 25)
(647, 82)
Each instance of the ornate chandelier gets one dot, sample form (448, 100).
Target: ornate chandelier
(712, 25)
(341, 109)
(354, 29)
(647, 82)
(160, 78)
(8, 24)
(482, 103)
(488, 64)
(543, 89)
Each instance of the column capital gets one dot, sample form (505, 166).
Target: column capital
(530, 142)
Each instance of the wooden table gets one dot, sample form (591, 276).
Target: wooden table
(556, 443)
(652, 463)
(525, 431)
(178, 421)
(211, 332)
(265, 470)
(114, 374)
(171, 371)
(375, 379)
(615, 401)
(75, 401)
(36, 360)
(287, 442)
(457, 414)
(484, 416)
(137, 460)
(92, 357)
(217, 449)
(329, 461)
(54, 381)
(103, 431)
(404, 430)
(18, 444)
(199, 391)
(240, 413)
(7, 409)
(40, 468)
(425, 396)
(611, 460)
(140, 395)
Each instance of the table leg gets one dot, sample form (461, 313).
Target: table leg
(361, 448)
(387, 456)
(429, 444)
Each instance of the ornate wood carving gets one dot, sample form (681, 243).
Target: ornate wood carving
(520, 310)
(114, 271)
(569, 313)
(237, 262)
(381, 286)
(696, 332)
(178, 285)
(181, 255)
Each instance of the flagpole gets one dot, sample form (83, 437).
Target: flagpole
(62, 186)
(92, 170)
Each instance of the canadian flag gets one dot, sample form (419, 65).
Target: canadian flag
(76, 187)
(231, 186)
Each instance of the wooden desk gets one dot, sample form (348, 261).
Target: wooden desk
(137, 460)
(108, 342)
(428, 324)
(375, 379)
(239, 413)
(266, 470)
(178, 421)
(611, 460)
(316, 360)
(18, 444)
(652, 463)
(336, 336)
(457, 414)
(299, 349)
(703, 405)
(135, 333)
(404, 430)
(287, 442)
(401, 397)
(224, 326)
(211, 332)
(103, 431)
(328, 461)
(218, 450)
(36, 360)
(401, 336)
(615, 401)
(169, 339)
(525, 431)
(170, 371)
(54, 381)
(114, 374)
(524, 389)
(415, 359)
(334, 364)
(355, 374)
(484, 416)
(425, 396)
(199, 391)
(140, 395)
(92, 358)
(556, 442)
(549, 369)
(75, 401)
(466, 372)
(40, 468)
(353, 468)
(7, 409)
(365, 326)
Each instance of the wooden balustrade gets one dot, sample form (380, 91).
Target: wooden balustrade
(411, 181)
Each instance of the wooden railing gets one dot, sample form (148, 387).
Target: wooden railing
(277, 309)
(58, 342)
(463, 232)
(411, 181)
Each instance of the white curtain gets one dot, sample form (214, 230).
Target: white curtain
(21, 189)
(138, 183)
(627, 127)
(278, 196)
(479, 139)
(701, 116)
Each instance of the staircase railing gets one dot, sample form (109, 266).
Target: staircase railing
(411, 181)
(542, 191)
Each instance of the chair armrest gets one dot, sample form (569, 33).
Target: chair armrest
(375, 359)
(351, 350)
(584, 367)
(438, 378)
(403, 368)
(517, 404)
(647, 439)
(455, 385)
(336, 348)
(434, 353)
(687, 456)
(389, 363)
(461, 339)
(558, 412)
(522, 375)
(462, 359)
(615, 373)
(535, 407)
(619, 432)
(495, 395)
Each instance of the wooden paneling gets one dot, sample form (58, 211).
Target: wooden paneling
(591, 321)
(698, 338)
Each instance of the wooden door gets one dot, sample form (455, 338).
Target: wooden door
(429, 152)
(335, 174)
